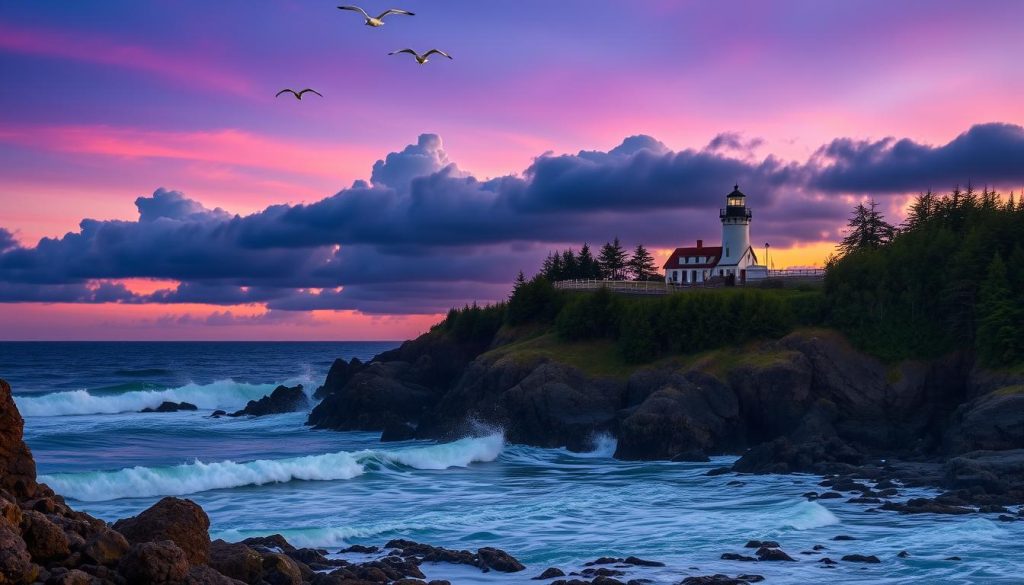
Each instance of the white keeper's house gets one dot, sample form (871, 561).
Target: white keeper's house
(734, 260)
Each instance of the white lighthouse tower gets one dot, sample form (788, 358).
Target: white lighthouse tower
(737, 254)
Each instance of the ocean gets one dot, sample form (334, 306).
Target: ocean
(547, 507)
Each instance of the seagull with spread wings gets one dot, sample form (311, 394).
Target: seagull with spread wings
(377, 21)
(298, 95)
(422, 59)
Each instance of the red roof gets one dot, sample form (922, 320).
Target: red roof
(713, 252)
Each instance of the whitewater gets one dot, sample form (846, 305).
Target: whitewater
(548, 507)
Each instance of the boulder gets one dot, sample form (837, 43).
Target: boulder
(993, 422)
(17, 468)
(70, 577)
(498, 560)
(690, 415)
(15, 562)
(105, 547)
(204, 575)
(279, 569)
(181, 521)
(154, 563)
(171, 407)
(993, 472)
(236, 560)
(283, 399)
(380, 395)
(46, 542)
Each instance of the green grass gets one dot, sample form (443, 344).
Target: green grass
(596, 358)
(1010, 390)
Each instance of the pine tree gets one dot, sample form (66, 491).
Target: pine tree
(612, 260)
(587, 264)
(570, 266)
(921, 210)
(1000, 331)
(868, 229)
(641, 265)
(519, 283)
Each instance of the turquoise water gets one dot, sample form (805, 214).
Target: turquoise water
(546, 507)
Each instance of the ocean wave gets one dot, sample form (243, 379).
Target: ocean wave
(225, 394)
(807, 515)
(198, 476)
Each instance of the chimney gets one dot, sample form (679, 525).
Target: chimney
(700, 243)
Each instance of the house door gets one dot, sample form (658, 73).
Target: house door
(743, 275)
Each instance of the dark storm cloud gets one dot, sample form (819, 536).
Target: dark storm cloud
(987, 153)
(425, 235)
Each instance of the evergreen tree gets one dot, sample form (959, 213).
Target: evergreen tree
(868, 229)
(612, 260)
(999, 339)
(641, 265)
(920, 211)
(519, 283)
(570, 266)
(587, 264)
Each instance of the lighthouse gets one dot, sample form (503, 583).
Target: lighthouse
(735, 228)
(733, 262)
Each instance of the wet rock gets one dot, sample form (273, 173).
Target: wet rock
(171, 407)
(993, 422)
(751, 578)
(826, 561)
(358, 548)
(861, 559)
(903, 554)
(283, 399)
(842, 537)
(773, 554)
(154, 563)
(718, 579)
(953, 558)
(638, 562)
(105, 547)
(498, 560)
(924, 506)
(218, 414)
(819, 547)
(760, 543)
(396, 430)
(550, 573)
(236, 560)
(45, 540)
(181, 521)
(736, 557)
(433, 554)
(273, 543)
(1006, 518)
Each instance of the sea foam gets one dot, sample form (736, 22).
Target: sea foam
(225, 394)
(198, 476)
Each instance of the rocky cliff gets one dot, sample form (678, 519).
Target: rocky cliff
(805, 402)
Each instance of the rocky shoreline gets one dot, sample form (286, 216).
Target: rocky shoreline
(806, 403)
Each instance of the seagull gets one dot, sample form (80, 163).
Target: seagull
(298, 95)
(422, 59)
(378, 21)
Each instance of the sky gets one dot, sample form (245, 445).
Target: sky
(152, 186)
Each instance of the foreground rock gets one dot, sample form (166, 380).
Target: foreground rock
(171, 407)
(182, 522)
(283, 399)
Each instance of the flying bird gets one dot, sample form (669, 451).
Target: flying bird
(422, 59)
(379, 20)
(298, 95)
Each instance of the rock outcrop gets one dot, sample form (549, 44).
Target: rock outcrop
(17, 468)
(283, 399)
(171, 407)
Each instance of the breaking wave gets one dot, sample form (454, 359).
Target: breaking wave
(198, 476)
(225, 394)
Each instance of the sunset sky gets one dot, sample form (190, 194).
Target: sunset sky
(152, 187)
